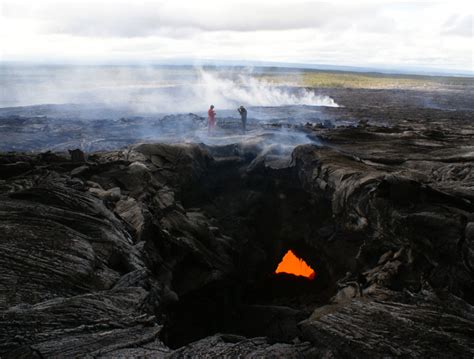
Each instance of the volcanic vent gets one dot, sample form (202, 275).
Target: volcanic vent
(270, 282)
(291, 264)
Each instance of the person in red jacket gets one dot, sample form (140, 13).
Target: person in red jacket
(211, 117)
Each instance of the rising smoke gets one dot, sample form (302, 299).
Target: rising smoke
(150, 89)
(156, 104)
(243, 88)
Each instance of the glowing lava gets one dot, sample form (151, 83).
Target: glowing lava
(291, 264)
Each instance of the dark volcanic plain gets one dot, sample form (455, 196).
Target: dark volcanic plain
(166, 250)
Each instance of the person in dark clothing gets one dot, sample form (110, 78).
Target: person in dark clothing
(243, 117)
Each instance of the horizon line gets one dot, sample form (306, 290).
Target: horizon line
(368, 69)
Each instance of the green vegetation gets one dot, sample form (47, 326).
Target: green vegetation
(364, 80)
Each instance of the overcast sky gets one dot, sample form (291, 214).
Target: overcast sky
(435, 34)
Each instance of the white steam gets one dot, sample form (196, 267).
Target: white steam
(248, 90)
(149, 89)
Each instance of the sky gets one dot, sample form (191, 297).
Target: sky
(424, 34)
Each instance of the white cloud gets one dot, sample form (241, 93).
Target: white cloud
(129, 19)
(421, 33)
(462, 25)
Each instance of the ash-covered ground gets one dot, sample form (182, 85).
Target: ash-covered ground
(100, 127)
(163, 243)
(60, 127)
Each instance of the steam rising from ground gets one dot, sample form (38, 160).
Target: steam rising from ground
(248, 90)
(149, 89)
(118, 106)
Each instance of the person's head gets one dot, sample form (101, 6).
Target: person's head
(212, 107)
(241, 106)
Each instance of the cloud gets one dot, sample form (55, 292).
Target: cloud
(461, 25)
(135, 19)
(369, 32)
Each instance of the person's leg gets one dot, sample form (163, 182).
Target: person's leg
(212, 126)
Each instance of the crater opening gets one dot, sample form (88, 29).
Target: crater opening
(291, 264)
(280, 273)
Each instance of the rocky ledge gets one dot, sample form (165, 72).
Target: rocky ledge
(170, 250)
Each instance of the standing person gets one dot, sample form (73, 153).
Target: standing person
(211, 118)
(243, 117)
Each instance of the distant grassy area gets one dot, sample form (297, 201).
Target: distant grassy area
(365, 80)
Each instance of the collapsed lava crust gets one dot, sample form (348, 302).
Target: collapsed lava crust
(169, 250)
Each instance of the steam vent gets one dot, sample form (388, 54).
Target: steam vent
(312, 235)
(291, 264)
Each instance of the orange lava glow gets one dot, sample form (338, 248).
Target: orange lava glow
(291, 264)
